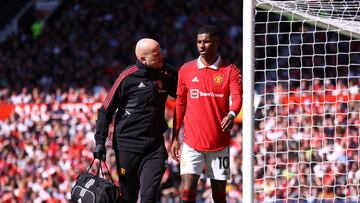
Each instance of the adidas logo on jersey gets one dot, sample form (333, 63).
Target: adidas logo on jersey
(225, 173)
(195, 79)
(141, 85)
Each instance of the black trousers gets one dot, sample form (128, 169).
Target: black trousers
(141, 172)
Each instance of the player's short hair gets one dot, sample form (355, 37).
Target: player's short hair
(209, 29)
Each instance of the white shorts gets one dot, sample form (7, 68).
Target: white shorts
(217, 163)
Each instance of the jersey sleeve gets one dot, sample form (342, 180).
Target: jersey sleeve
(235, 89)
(106, 112)
(181, 100)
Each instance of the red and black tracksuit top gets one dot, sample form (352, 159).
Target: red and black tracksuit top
(138, 97)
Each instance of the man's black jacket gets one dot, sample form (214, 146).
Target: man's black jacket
(139, 95)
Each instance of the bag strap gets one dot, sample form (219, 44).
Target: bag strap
(91, 165)
(108, 173)
(99, 168)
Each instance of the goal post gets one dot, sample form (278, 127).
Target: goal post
(303, 134)
(248, 98)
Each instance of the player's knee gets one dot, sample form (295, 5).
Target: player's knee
(218, 185)
(189, 181)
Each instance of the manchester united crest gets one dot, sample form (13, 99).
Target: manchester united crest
(122, 171)
(218, 79)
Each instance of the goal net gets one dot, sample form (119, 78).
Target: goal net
(307, 117)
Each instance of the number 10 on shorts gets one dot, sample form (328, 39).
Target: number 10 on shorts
(223, 162)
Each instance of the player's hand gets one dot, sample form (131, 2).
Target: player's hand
(100, 152)
(227, 123)
(175, 150)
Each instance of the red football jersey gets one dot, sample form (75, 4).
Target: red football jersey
(203, 98)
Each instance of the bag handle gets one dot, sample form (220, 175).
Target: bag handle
(99, 168)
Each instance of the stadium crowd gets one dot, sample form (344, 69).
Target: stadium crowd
(309, 150)
(77, 57)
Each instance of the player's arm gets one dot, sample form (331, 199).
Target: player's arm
(236, 97)
(179, 114)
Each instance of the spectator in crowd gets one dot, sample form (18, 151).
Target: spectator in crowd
(204, 87)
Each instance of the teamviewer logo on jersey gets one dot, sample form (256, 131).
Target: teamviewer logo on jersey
(194, 93)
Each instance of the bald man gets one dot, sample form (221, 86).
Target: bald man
(138, 97)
